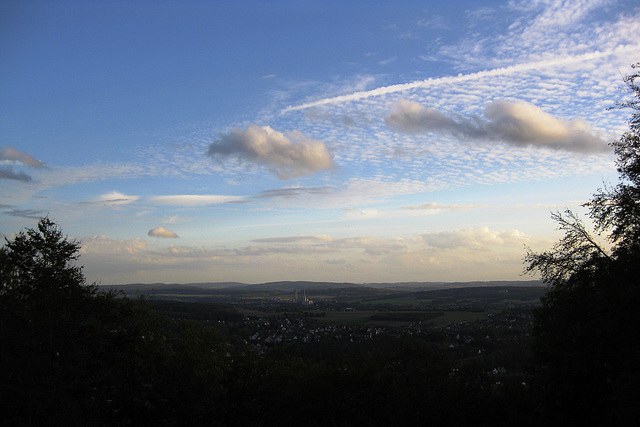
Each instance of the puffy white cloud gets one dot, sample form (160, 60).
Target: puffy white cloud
(288, 156)
(521, 123)
(195, 200)
(163, 233)
(412, 117)
(517, 123)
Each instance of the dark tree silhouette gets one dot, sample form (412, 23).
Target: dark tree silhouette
(70, 354)
(584, 333)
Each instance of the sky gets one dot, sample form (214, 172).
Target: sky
(359, 141)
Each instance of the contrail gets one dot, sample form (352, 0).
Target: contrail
(463, 78)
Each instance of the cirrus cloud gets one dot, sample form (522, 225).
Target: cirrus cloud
(287, 156)
(437, 207)
(517, 123)
(195, 199)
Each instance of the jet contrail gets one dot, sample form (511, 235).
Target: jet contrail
(462, 78)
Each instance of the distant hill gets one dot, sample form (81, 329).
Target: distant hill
(298, 285)
(174, 289)
(414, 286)
(291, 286)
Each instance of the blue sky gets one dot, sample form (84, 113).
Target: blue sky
(353, 141)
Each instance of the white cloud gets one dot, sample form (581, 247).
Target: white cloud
(290, 156)
(556, 61)
(474, 239)
(486, 254)
(324, 244)
(162, 233)
(116, 199)
(137, 259)
(354, 192)
(296, 239)
(101, 245)
(195, 200)
(437, 207)
(436, 22)
(517, 123)
(362, 214)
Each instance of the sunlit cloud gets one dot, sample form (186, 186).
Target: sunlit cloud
(101, 246)
(482, 250)
(295, 239)
(475, 239)
(163, 233)
(10, 154)
(516, 123)
(287, 156)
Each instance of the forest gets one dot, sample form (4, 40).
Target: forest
(73, 353)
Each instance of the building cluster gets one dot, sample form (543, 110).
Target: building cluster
(301, 299)
(285, 329)
(463, 339)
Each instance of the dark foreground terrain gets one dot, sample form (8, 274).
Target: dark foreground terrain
(252, 355)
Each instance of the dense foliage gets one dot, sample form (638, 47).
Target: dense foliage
(70, 354)
(585, 332)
